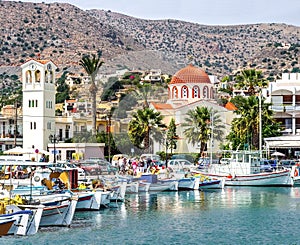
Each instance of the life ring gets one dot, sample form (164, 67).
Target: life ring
(296, 173)
(36, 178)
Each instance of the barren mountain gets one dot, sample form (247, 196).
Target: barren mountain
(63, 33)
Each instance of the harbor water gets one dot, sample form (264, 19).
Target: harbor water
(237, 215)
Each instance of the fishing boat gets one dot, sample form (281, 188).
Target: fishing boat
(88, 200)
(105, 197)
(295, 173)
(5, 226)
(21, 219)
(118, 191)
(144, 186)
(188, 183)
(132, 187)
(212, 184)
(243, 169)
(59, 212)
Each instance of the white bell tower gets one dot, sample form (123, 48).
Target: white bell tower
(38, 79)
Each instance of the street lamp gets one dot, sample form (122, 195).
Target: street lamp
(54, 139)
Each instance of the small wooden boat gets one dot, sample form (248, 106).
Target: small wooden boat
(88, 200)
(59, 211)
(144, 186)
(211, 184)
(118, 191)
(132, 187)
(188, 183)
(26, 217)
(5, 226)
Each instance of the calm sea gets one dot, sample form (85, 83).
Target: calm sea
(236, 215)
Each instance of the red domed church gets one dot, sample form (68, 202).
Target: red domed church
(191, 84)
(189, 87)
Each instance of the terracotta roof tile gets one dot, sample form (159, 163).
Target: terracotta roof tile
(190, 74)
(160, 106)
(230, 106)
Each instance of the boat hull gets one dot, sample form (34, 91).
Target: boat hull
(188, 183)
(278, 178)
(144, 186)
(88, 200)
(212, 184)
(166, 185)
(5, 226)
(132, 187)
(59, 215)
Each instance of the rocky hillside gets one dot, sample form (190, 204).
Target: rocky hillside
(219, 50)
(63, 33)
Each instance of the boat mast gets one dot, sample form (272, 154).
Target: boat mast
(260, 126)
(211, 135)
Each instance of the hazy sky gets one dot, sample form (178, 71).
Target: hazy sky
(210, 12)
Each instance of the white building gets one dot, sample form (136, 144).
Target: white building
(190, 87)
(38, 79)
(284, 95)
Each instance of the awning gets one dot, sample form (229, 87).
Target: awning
(283, 142)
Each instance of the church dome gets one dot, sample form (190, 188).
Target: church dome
(190, 74)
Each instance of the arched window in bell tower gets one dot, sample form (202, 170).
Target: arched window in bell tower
(38, 76)
(175, 93)
(184, 92)
(28, 76)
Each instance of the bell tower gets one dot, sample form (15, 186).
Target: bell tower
(38, 79)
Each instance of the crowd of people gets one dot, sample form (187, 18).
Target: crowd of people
(135, 166)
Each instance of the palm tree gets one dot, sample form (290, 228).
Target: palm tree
(143, 91)
(140, 125)
(245, 127)
(251, 80)
(199, 126)
(92, 65)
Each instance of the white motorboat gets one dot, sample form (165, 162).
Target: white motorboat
(118, 191)
(23, 220)
(59, 211)
(88, 200)
(132, 187)
(144, 186)
(165, 185)
(243, 169)
(188, 183)
(33, 221)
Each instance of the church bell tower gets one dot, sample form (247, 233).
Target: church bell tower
(38, 79)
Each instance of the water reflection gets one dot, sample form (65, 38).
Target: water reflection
(229, 197)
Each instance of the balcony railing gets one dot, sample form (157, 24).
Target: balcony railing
(285, 108)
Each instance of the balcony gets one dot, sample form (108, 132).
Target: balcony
(285, 108)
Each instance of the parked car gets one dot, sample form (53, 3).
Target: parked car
(286, 163)
(154, 158)
(183, 156)
(265, 166)
(98, 167)
(115, 159)
(178, 165)
(61, 166)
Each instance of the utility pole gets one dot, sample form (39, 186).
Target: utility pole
(260, 126)
(108, 133)
(16, 123)
(211, 135)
